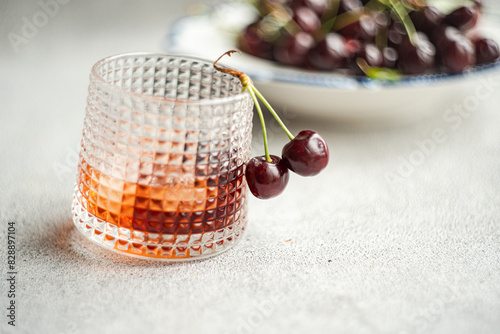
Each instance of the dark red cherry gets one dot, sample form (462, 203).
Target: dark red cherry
(443, 35)
(456, 53)
(307, 19)
(463, 18)
(487, 51)
(382, 19)
(439, 35)
(328, 54)
(292, 50)
(364, 29)
(266, 179)
(349, 5)
(418, 58)
(390, 57)
(458, 56)
(372, 55)
(307, 154)
(318, 6)
(396, 34)
(427, 19)
(252, 42)
(352, 47)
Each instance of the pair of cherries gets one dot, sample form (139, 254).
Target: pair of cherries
(306, 154)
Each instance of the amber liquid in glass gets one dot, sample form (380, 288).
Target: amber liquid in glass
(207, 205)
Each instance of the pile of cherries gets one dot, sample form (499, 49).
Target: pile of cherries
(306, 154)
(407, 36)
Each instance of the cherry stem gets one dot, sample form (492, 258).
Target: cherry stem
(328, 25)
(271, 110)
(281, 16)
(347, 18)
(263, 124)
(381, 38)
(247, 84)
(372, 4)
(287, 22)
(245, 79)
(363, 65)
(400, 10)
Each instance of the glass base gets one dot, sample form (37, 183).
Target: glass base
(155, 246)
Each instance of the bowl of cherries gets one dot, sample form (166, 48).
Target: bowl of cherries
(355, 60)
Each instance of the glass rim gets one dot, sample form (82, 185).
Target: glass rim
(217, 100)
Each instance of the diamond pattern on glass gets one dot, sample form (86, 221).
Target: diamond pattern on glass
(161, 160)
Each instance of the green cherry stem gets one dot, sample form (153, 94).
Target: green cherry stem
(401, 12)
(247, 84)
(347, 18)
(328, 25)
(263, 124)
(271, 110)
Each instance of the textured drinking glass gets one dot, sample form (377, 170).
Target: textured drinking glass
(161, 169)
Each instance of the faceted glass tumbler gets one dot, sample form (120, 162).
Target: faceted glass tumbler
(161, 168)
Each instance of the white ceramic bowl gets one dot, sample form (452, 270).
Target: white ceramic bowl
(321, 94)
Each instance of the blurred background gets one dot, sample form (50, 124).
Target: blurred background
(396, 236)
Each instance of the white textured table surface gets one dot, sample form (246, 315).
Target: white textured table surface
(348, 251)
